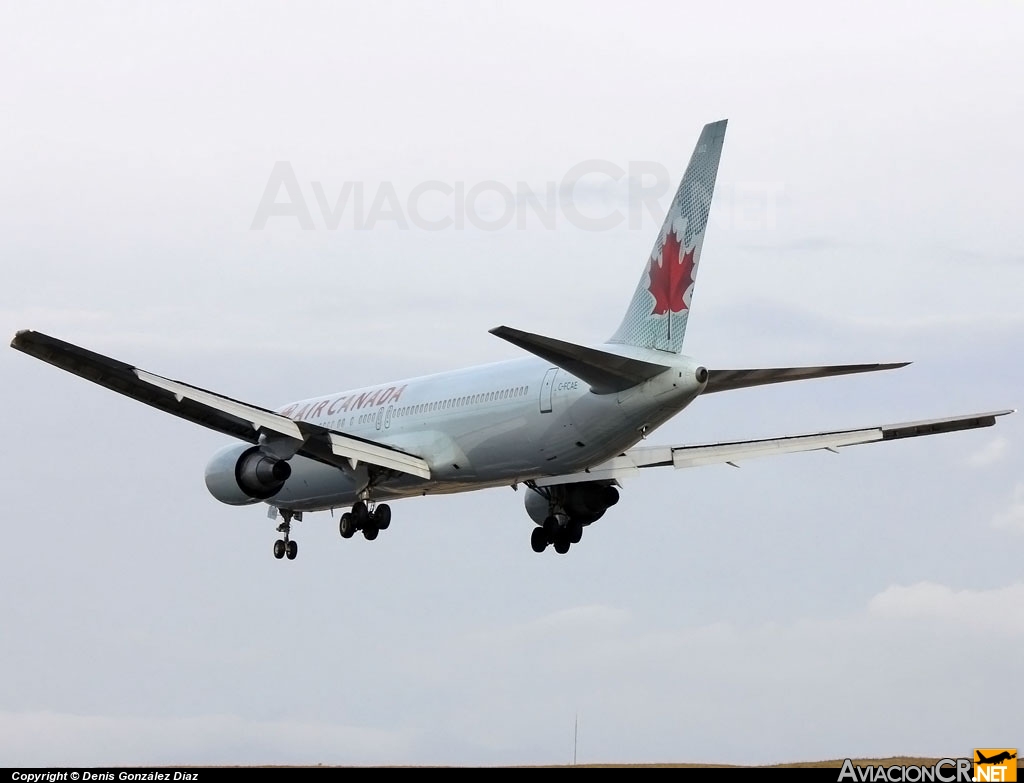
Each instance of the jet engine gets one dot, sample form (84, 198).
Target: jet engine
(239, 475)
(584, 502)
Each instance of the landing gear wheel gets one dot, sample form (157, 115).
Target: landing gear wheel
(291, 550)
(562, 544)
(539, 540)
(382, 516)
(360, 513)
(370, 532)
(347, 526)
(279, 547)
(575, 532)
(551, 527)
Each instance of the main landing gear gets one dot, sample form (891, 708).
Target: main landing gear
(286, 547)
(561, 511)
(553, 531)
(362, 517)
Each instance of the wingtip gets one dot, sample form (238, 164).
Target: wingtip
(504, 332)
(19, 337)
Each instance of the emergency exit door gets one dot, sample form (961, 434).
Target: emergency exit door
(546, 390)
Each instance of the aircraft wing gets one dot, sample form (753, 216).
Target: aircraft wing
(215, 411)
(629, 462)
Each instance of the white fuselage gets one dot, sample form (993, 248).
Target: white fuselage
(490, 425)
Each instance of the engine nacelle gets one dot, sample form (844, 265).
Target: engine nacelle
(240, 475)
(537, 506)
(585, 501)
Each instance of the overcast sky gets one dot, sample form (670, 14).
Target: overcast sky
(811, 606)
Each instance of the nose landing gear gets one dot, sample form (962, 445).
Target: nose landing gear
(286, 547)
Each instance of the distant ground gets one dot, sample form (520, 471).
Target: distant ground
(833, 763)
(888, 761)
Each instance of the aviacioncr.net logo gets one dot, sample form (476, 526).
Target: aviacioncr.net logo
(943, 771)
(995, 765)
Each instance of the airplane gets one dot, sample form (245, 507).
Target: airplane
(999, 758)
(564, 421)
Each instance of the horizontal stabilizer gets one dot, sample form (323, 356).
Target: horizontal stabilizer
(630, 462)
(606, 373)
(726, 380)
(215, 411)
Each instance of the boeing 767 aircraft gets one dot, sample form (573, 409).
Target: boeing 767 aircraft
(563, 421)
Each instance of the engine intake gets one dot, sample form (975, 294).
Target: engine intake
(260, 476)
(239, 475)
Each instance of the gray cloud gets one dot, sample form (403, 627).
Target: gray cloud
(1011, 518)
(631, 681)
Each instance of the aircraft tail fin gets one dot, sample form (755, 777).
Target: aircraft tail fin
(657, 315)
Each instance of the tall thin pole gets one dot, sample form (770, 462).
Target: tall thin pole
(575, 737)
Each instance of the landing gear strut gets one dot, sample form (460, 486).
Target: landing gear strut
(286, 547)
(362, 517)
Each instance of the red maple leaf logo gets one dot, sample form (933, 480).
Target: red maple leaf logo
(670, 280)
